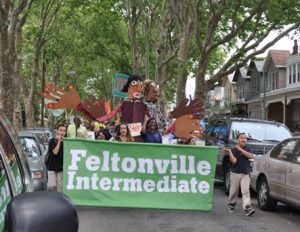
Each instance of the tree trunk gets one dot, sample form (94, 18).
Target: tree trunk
(6, 62)
(42, 99)
(201, 90)
(182, 69)
(19, 79)
(147, 36)
(29, 105)
(182, 12)
(162, 100)
(133, 43)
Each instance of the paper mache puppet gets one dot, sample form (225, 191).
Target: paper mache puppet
(187, 123)
(187, 115)
(151, 94)
(132, 109)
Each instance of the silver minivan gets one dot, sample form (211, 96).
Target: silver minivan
(15, 176)
(276, 175)
(20, 208)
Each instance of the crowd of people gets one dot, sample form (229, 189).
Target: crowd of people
(113, 131)
(86, 129)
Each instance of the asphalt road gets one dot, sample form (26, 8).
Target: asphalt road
(218, 220)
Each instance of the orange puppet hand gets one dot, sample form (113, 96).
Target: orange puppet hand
(194, 107)
(61, 98)
(96, 107)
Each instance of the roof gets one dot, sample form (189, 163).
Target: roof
(259, 64)
(279, 57)
(243, 73)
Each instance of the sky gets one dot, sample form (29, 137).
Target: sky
(284, 44)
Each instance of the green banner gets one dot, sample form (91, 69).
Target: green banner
(143, 175)
(5, 198)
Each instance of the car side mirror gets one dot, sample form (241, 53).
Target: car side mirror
(41, 211)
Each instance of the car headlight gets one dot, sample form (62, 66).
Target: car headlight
(38, 175)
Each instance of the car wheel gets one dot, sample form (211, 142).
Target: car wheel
(265, 202)
(227, 180)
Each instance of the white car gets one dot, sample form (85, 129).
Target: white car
(276, 175)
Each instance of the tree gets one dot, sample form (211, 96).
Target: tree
(238, 27)
(47, 12)
(12, 18)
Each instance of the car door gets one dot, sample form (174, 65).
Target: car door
(276, 167)
(218, 137)
(293, 178)
(5, 189)
(12, 163)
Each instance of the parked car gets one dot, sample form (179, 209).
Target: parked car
(276, 175)
(262, 136)
(44, 133)
(35, 156)
(20, 208)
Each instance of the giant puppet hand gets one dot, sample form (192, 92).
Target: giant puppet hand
(61, 98)
(96, 110)
(188, 126)
(193, 108)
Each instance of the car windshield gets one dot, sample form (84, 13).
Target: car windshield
(260, 131)
(30, 147)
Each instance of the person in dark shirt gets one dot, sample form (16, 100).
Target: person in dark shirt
(55, 160)
(150, 132)
(239, 177)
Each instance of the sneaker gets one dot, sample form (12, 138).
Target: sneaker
(249, 212)
(231, 208)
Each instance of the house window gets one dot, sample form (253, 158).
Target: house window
(290, 75)
(294, 73)
(277, 80)
(273, 79)
(298, 72)
(254, 86)
(269, 82)
(257, 84)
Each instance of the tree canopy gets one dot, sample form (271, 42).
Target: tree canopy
(85, 42)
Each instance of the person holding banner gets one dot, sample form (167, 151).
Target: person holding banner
(122, 134)
(150, 132)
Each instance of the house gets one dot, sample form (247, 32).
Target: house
(292, 93)
(221, 97)
(270, 88)
(255, 71)
(243, 90)
(275, 82)
(229, 89)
